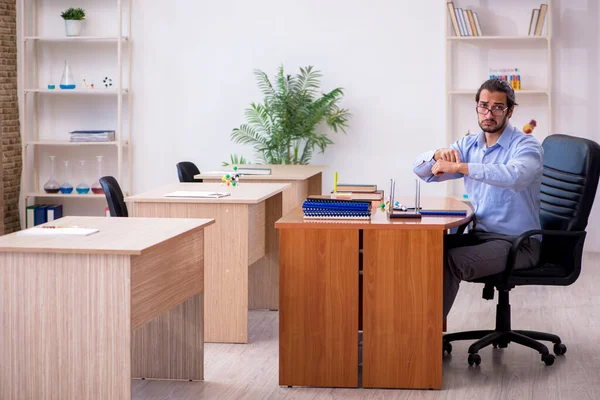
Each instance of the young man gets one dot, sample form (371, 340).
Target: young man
(502, 170)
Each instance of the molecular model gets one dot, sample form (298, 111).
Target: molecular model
(231, 179)
(107, 81)
(528, 128)
(386, 205)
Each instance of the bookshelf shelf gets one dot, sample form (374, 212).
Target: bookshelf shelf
(516, 37)
(87, 92)
(517, 92)
(67, 143)
(89, 196)
(76, 38)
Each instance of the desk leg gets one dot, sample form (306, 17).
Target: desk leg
(318, 316)
(171, 346)
(65, 328)
(402, 309)
(263, 275)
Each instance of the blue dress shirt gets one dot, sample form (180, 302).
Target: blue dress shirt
(503, 182)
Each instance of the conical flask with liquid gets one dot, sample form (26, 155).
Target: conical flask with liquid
(67, 81)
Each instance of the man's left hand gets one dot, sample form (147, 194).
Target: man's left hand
(447, 167)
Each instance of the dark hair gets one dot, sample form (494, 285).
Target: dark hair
(498, 85)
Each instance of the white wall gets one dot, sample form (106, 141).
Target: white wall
(193, 64)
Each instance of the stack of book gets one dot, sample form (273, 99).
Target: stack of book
(92, 136)
(358, 192)
(464, 22)
(336, 209)
(538, 16)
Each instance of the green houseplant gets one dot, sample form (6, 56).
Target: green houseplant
(288, 126)
(74, 18)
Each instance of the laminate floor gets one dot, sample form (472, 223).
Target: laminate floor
(250, 371)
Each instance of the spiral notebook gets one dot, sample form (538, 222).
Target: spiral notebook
(336, 209)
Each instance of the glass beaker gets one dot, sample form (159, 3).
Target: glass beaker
(67, 81)
(66, 187)
(52, 186)
(82, 187)
(96, 187)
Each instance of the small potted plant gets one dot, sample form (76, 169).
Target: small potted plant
(74, 18)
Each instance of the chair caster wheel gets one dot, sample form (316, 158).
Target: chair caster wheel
(447, 348)
(548, 359)
(560, 349)
(474, 359)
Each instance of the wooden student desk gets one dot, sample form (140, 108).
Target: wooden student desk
(402, 266)
(242, 235)
(71, 306)
(304, 180)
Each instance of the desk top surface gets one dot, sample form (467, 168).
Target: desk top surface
(379, 219)
(240, 194)
(278, 172)
(126, 236)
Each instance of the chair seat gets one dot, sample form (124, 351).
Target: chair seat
(546, 274)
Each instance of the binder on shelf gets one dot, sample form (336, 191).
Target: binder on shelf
(29, 216)
(54, 212)
(40, 214)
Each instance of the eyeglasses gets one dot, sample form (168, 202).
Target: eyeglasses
(497, 111)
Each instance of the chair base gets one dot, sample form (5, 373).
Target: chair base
(503, 335)
(501, 339)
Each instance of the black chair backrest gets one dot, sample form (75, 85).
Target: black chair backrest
(569, 182)
(114, 196)
(186, 171)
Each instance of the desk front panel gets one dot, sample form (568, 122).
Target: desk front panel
(402, 308)
(318, 315)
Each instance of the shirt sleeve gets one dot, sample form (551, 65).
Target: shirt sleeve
(518, 174)
(424, 162)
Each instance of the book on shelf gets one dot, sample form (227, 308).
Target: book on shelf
(370, 196)
(92, 136)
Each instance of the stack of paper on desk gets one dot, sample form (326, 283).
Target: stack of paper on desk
(57, 231)
(207, 195)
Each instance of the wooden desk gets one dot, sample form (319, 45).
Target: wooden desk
(402, 265)
(304, 180)
(243, 234)
(71, 305)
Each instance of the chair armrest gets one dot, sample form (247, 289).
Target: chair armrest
(512, 254)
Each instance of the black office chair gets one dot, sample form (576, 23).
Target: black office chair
(186, 171)
(569, 182)
(114, 196)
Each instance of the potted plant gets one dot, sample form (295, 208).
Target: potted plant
(288, 126)
(74, 18)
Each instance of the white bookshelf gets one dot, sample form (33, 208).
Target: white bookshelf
(48, 115)
(505, 43)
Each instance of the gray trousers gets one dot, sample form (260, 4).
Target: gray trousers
(478, 254)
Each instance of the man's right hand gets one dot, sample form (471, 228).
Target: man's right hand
(447, 155)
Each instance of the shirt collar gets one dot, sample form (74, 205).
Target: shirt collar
(503, 140)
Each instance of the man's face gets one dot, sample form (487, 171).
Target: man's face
(495, 120)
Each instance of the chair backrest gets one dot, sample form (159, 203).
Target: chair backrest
(569, 182)
(186, 171)
(114, 197)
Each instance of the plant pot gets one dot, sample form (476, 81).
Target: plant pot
(73, 27)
